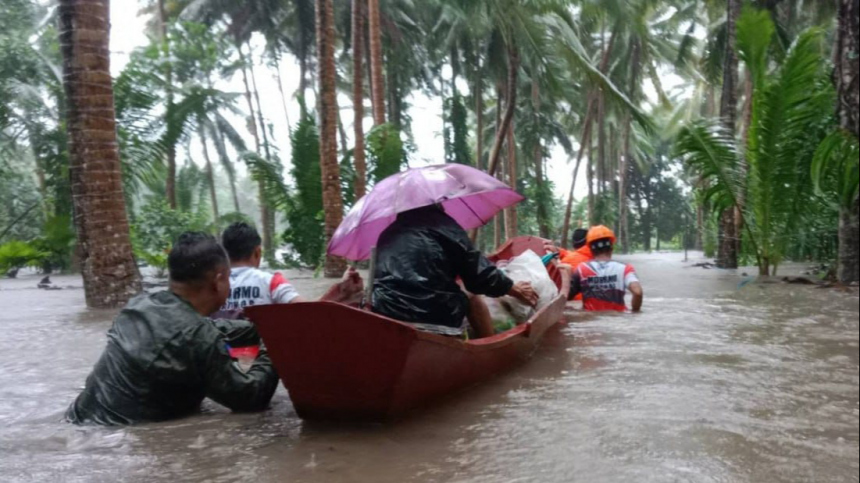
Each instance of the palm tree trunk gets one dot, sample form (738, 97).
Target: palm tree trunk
(266, 211)
(584, 140)
(109, 271)
(280, 81)
(501, 134)
(303, 80)
(624, 208)
(847, 77)
(591, 204)
(747, 123)
(332, 198)
(341, 130)
(168, 74)
(568, 214)
(394, 105)
(210, 175)
(221, 145)
(728, 254)
(623, 211)
(41, 178)
(376, 62)
(849, 244)
(601, 143)
(700, 227)
(358, 98)
(252, 126)
(537, 156)
(474, 234)
(479, 115)
(511, 225)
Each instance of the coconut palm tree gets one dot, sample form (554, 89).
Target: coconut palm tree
(377, 79)
(838, 156)
(109, 271)
(789, 107)
(332, 198)
(358, 15)
(729, 236)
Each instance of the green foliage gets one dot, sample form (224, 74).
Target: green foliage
(605, 209)
(57, 242)
(20, 216)
(15, 255)
(457, 148)
(386, 154)
(770, 183)
(157, 227)
(156, 260)
(836, 168)
(709, 237)
(656, 201)
(305, 216)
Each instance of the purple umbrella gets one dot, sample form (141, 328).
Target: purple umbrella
(470, 196)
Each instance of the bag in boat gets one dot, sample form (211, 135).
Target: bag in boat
(528, 267)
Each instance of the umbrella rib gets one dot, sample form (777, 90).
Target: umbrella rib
(462, 200)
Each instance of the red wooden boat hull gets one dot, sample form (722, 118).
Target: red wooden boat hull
(343, 364)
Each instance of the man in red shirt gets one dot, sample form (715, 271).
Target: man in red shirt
(603, 283)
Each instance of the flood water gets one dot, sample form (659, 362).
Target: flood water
(713, 383)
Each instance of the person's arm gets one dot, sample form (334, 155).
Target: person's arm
(525, 293)
(638, 296)
(631, 281)
(226, 384)
(480, 276)
(575, 285)
(348, 291)
(283, 292)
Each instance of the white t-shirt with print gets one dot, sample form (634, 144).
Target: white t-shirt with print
(250, 286)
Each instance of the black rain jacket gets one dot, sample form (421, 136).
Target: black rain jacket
(163, 358)
(419, 258)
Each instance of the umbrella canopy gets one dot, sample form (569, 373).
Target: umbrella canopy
(468, 195)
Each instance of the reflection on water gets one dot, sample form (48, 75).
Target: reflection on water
(711, 383)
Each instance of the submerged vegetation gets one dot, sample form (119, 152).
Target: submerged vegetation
(728, 126)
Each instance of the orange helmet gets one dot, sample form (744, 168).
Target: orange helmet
(601, 233)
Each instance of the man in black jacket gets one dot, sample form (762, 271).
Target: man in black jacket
(420, 258)
(164, 356)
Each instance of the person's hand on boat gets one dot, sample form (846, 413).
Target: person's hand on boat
(352, 281)
(349, 291)
(525, 293)
(550, 247)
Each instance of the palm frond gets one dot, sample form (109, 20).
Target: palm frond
(837, 163)
(710, 150)
(268, 174)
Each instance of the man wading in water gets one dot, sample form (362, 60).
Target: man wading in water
(603, 283)
(164, 356)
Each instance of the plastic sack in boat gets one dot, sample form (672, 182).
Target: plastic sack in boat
(529, 267)
(500, 313)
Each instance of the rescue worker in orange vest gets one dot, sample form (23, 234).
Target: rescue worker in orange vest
(581, 251)
(603, 283)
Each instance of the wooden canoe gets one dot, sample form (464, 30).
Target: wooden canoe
(343, 364)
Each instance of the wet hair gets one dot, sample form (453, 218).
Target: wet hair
(240, 240)
(194, 256)
(602, 247)
(580, 237)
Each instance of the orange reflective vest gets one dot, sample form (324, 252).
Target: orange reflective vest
(576, 258)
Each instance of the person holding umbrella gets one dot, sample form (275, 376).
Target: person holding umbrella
(428, 272)
(425, 261)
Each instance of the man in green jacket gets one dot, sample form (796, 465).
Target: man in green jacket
(164, 356)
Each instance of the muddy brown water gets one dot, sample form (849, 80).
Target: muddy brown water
(713, 383)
